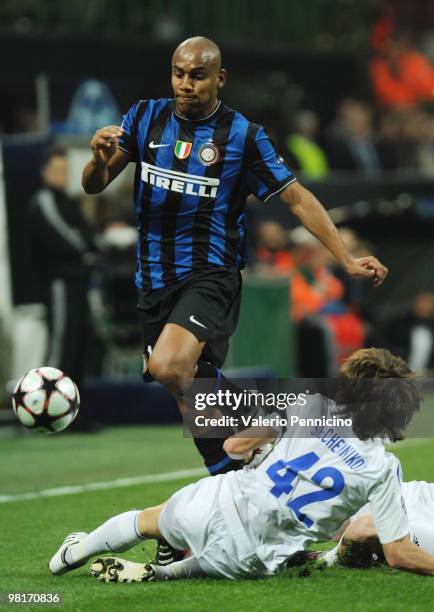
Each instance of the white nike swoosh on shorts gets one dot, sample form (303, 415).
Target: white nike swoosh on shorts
(193, 320)
(153, 145)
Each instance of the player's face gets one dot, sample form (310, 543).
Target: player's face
(195, 86)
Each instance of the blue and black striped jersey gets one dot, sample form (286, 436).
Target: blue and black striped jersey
(191, 184)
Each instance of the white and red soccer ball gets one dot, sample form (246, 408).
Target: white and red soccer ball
(45, 399)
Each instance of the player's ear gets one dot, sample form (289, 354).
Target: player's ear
(221, 78)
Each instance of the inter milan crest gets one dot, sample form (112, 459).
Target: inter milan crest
(182, 149)
(208, 154)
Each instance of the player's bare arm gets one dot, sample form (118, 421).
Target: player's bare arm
(358, 539)
(107, 162)
(405, 555)
(248, 440)
(402, 553)
(304, 205)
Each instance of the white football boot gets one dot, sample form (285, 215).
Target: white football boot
(57, 564)
(114, 569)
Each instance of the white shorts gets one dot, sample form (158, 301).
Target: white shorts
(419, 502)
(204, 520)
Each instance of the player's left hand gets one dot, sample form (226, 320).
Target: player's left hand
(368, 267)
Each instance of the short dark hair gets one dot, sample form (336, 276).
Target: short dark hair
(379, 392)
(54, 151)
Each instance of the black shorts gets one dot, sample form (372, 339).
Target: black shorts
(207, 303)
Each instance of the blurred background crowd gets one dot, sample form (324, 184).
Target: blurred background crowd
(344, 88)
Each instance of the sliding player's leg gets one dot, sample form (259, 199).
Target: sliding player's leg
(175, 362)
(115, 569)
(192, 519)
(119, 533)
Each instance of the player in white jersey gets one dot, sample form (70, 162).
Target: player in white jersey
(359, 545)
(249, 523)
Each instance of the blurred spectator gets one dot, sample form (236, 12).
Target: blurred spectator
(425, 153)
(65, 244)
(406, 141)
(328, 329)
(313, 287)
(411, 333)
(272, 252)
(119, 235)
(401, 76)
(26, 119)
(349, 140)
(304, 152)
(353, 288)
(394, 155)
(118, 243)
(382, 29)
(358, 311)
(167, 28)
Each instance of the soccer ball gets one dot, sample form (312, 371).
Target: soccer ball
(45, 399)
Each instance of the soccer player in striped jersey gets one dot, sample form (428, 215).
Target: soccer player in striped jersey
(196, 162)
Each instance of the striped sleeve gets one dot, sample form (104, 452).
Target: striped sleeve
(128, 140)
(267, 173)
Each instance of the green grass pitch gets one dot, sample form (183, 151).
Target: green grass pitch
(31, 530)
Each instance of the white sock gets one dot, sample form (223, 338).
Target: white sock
(186, 568)
(117, 534)
(330, 557)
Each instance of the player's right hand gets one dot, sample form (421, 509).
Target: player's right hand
(104, 143)
(368, 267)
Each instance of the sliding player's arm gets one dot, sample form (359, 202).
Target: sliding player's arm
(392, 525)
(360, 540)
(107, 162)
(243, 443)
(405, 555)
(311, 213)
